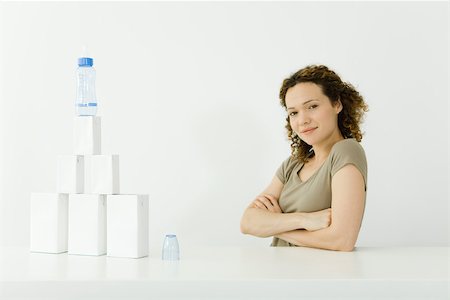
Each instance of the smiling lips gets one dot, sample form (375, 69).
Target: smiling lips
(308, 130)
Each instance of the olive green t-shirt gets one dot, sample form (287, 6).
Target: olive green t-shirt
(314, 194)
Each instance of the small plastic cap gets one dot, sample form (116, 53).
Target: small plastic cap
(85, 62)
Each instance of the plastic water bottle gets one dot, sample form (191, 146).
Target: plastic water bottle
(86, 103)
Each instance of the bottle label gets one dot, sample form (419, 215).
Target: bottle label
(86, 104)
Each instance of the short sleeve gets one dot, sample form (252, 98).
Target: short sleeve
(282, 172)
(349, 152)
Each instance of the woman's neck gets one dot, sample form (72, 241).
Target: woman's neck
(322, 150)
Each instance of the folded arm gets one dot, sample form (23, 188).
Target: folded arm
(264, 217)
(325, 238)
(268, 221)
(347, 209)
(264, 223)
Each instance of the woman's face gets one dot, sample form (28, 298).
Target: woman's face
(311, 114)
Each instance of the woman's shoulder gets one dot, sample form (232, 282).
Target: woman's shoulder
(349, 145)
(287, 166)
(348, 151)
(290, 162)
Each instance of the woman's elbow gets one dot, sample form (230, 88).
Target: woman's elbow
(248, 225)
(243, 227)
(346, 248)
(247, 228)
(344, 241)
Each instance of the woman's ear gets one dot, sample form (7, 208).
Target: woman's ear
(338, 106)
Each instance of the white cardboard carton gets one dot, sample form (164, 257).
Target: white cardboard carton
(87, 135)
(127, 226)
(70, 174)
(87, 224)
(48, 222)
(102, 174)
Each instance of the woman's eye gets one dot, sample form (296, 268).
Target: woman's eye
(313, 106)
(292, 113)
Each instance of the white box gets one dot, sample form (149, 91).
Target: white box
(48, 222)
(127, 234)
(87, 224)
(102, 174)
(70, 174)
(87, 135)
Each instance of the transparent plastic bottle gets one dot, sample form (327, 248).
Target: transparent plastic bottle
(86, 103)
(171, 249)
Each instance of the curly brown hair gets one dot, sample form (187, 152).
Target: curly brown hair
(335, 89)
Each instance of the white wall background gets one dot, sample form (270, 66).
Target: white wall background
(188, 95)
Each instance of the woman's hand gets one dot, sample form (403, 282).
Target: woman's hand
(317, 220)
(266, 202)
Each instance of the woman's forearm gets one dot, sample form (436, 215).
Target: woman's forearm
(326, 238)
(263, 223)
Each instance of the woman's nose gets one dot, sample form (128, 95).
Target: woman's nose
(303, 118)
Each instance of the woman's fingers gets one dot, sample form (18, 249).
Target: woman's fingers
(272, 199)
(265, 201)
(274, 202)
(259, 204)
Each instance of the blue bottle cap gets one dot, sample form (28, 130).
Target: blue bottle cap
(85, 62)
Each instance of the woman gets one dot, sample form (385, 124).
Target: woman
(317, 196)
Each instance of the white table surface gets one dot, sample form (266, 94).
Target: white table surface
(231, 272)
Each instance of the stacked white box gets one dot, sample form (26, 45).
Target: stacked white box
(127, 223)
(102, 174)
(87, 135)
(75, 220)
(87, 224)
(48, 222)
(70, 174)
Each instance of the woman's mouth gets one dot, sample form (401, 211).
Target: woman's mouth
(308, 130)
